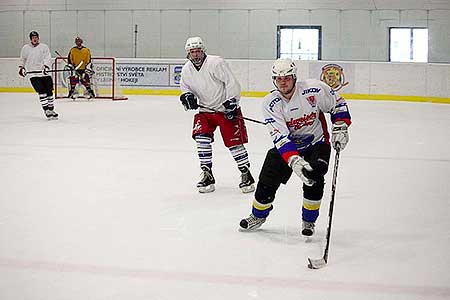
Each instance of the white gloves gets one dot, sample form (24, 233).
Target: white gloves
(69, 67)
(339, 135)
(299, 165)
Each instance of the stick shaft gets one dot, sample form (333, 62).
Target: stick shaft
(55, 70)
(49, 71)
(239, 117)
(330, 211)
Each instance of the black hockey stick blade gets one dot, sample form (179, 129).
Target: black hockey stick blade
(316, 263)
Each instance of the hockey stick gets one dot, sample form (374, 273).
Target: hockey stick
(239, 117)
(53, 71)
(59, 54)
(321, 262)
(65, 60)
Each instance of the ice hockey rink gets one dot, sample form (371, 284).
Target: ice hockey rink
(102, 204)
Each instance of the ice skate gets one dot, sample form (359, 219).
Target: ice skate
(51, 115)
(251, 223)
(307, 228)
(207, 181)
(72, 94)
(90, 93)
(247, 181)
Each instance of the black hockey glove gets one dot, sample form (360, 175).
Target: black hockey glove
(22, 71)
(189, 101)
(231, 109)
(45, 70)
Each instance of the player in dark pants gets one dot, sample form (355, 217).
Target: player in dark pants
(275, 171)
(35, 56)
(295, 117)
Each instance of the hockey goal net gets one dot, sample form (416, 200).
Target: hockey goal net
(104, 80)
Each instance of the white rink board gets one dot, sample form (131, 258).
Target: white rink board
(401, 79)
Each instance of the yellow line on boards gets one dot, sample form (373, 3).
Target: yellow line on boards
(259, 95)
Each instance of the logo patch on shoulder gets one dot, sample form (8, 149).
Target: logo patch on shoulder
(311, 100)
(273, 102)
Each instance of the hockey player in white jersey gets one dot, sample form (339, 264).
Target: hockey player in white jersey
(35, 56)
(296, 122)
(208, 84)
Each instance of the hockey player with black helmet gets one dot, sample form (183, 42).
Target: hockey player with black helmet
(294, 113)
(80, 54)
(35, 56)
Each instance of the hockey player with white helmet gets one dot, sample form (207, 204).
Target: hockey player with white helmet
(294, 113)
(208, 84)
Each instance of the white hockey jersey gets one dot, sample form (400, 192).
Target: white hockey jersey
(33, 58)
(213, 84)
(296, 124)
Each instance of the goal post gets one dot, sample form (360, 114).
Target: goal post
(104, 80)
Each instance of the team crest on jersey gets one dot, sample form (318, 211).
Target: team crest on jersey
(311, 100)
(333, 75)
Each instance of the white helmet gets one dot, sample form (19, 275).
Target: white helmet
(194, 43)
(284, 67)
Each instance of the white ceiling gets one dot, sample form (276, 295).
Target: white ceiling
(400, 4)
(364, 4)
(226, 4)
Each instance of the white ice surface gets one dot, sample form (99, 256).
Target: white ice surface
(101, 204)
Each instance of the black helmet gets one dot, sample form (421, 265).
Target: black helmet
(34, 33)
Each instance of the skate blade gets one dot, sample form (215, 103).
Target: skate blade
(207, 189)
(308, 239)
(52, 118)
(253, 229)
(316, 263)
(248, 189)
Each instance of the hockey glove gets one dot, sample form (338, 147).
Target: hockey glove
(339, 135)
(189, 101)
(231, 110)
(89, 69)
(300, 166)
(22, 71)
(45, 70)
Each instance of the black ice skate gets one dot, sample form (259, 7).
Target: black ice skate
(307, 228)
(207, 181)
(72, 94)
(51, 115)
(90, 93)
(251, 223)
(247, 181)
